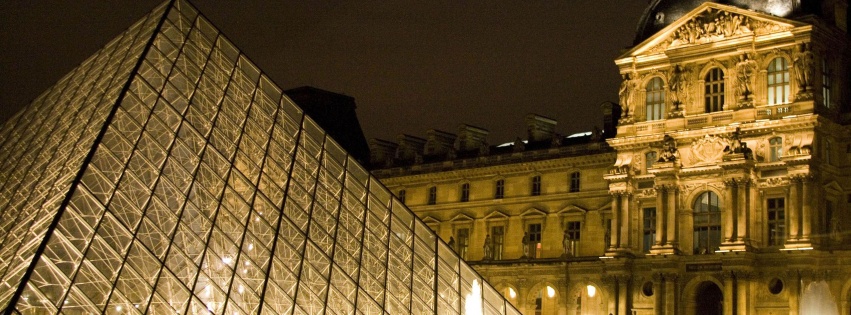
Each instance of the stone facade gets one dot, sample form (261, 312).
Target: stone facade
(727, 188)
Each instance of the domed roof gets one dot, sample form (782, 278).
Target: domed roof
(661, 13)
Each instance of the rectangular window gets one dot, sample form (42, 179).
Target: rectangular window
(714, 90)
(778, 81)
(401, 196)
(536, 186)
(497, 239)
(500, 189)
(574, 182)
(572, 234)
(776, 221)
(826, 84)
(649, 228)
(534, 240)
(432, 195)
(465, 192)
(462, 237)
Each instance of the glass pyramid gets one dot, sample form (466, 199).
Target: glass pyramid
(167, 175)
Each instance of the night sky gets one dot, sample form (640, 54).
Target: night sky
(411, 65)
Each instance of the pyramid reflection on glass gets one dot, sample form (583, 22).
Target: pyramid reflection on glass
(167, 175)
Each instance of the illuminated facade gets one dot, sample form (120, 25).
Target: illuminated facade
(726, 190)
(168, 175)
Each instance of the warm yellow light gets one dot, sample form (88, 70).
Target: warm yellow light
(592, 291)
(511, 293)
(551, 292)
(473, 300)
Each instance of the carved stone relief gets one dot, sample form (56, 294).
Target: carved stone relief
(713, 25)
(707, 150)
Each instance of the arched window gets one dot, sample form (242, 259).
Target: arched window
(778, 81)
(655, 99)
(649, 159)
(714, 90)
(707, 223)
(775, 149)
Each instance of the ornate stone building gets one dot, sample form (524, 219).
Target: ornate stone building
(725, 187)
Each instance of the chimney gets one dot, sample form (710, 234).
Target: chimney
(611, 114)
(381, 152)
(439, 142)
(410, 148)
(471, 138)
(539, 128)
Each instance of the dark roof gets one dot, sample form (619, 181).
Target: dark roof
(335, 113)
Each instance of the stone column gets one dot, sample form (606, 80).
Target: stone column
(742, 293)
(626, 203)
(671, 213)
(671, 300)
(660, 215)
(793, 209)
(807, 208)
(742, 210)
(728, 213)
(729, 290)
(658, 294)
(793, 281)
(616, 212)
(623, 294)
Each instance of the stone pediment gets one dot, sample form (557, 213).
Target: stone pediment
(712, 22)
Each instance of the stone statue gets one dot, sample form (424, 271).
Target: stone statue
(669, 150)
(677, 82)
(525, 244)
(804, 68)
(736, 145)
(567, 244)
(745, 70)
(451, 243)
(488, 247)
(626, 93)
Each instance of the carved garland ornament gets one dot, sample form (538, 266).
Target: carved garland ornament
(708, 149)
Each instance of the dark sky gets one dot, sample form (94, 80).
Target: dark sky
(411, 65)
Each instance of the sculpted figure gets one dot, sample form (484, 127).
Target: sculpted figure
(677, 84)
(745, 70)
(669, 150)
(804, 67)
(525, 241)
(567, 243)
(487, 247)
(626, 93)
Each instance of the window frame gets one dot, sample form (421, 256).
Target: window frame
(575, 182)
(714, 91)
(654, 106)
(826, 82)
(536, 185)
(499, 189)
(648, 228)
(777, 81)
(432, 195)
(775, 149)
(703, 233)
(776, 224)
(465, 192)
